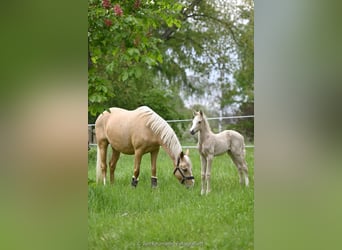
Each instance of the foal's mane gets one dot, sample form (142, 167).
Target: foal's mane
(160, 127)
(205, 121)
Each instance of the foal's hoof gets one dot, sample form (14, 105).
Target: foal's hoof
(134, 182)
(154, 182)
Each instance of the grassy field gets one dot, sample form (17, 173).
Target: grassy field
(171, 216)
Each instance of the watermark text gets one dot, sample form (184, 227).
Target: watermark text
(171, 244)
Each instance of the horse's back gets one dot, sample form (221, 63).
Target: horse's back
(227, 140)
(126, 129)
(234, 134)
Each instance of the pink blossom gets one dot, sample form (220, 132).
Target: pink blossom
(108, 22)
(106, 4)
(117, 10)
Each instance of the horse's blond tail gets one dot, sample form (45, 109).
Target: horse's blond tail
(98, 165)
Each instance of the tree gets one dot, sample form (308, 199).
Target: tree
(212, 56)
(122, 46)
(151, 52)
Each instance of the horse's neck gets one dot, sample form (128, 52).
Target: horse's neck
(171, 154)
(204, 132)
(167, 137)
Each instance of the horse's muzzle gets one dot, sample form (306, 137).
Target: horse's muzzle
(190, 185)
(192, 132)
(184, 178)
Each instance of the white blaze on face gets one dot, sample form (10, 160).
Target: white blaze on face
(189, 168)
(195, 125)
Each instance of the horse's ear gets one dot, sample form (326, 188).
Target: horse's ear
(187, 152)
(201, 113)
(194, 113)
(181, 155)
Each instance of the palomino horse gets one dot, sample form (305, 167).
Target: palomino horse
(210, 145)
(138, 132)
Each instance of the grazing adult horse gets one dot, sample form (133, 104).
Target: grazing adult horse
(138, 132)
(210, 145)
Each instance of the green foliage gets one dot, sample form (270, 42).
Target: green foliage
(122, 46)
(245, 126)
(120, 217)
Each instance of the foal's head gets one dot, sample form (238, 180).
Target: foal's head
(197, 122)
(183, 170)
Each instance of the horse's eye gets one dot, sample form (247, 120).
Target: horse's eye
(199, 122)
(185, 170)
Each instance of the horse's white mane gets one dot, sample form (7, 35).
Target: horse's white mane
(163, 129)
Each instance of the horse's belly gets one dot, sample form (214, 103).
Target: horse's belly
(220, 150)
(128, 144)
(126, 148)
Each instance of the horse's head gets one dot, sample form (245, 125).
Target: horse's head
(196, 122)
(183, 170)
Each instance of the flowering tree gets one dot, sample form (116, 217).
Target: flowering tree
(150, 51)
(123, 38)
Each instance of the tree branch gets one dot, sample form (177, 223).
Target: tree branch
(226, 24)
(184, 12)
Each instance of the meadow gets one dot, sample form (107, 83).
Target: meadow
(171, 216)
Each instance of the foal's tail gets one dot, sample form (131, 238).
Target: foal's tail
(242, 146)
(98, 166)
(243, 149)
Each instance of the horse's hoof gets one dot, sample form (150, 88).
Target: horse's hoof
(134, 182)
(154, 182)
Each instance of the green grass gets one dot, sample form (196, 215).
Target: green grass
(171, 216)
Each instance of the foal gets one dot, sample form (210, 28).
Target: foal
(210, 145)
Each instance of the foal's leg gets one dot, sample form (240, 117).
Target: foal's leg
(245, 172)
(241, 165)
(137, 160)
(154, 155)
(203, 173)
(208, 173)
(112, 164)
(233, 157)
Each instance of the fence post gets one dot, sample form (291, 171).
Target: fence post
(220, 122)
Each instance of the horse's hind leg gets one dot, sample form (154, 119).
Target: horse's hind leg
(103, 155)
(112, 164)
(241, 165)
(243, 171)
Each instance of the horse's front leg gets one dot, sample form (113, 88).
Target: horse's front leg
(154, 155)
(208, 173)
(137, 160)
(203, 173)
